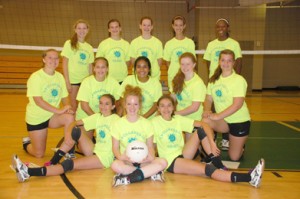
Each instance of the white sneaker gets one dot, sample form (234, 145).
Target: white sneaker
(20, 168)
(158, 177)
(257, 172)
(120, 179)
(225, 145)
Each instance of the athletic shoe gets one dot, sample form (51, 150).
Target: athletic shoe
(224, 145)
(120, 179)
(20, 168)
(158, 177)
(257, 172)
(67, 155)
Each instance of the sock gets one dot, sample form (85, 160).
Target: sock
(25, 146)
(41, 171)
(216, 161)
(57, 156)
(225, 136)
(72, 150)
(136, 176)
(240, 177)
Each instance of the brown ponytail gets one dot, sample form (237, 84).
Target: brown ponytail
(74, 38)
(178, 81)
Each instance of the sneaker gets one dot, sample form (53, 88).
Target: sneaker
(224, 145)
(257, 172)
(158, 177)
(20, 168)
(120, 179)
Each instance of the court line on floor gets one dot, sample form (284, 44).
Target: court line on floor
(67, 181)
(289, 126)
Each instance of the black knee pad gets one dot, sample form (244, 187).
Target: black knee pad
(201, 133)
(67, 165)
(76, 133)
(209, 169)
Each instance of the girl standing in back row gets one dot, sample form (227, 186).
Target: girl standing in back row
(175, 47)
(116, 50)
(78, 56)
(148, 46)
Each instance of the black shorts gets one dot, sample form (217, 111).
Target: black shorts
(239, 129)
(76, 84)
(37, 126)
(171, 167)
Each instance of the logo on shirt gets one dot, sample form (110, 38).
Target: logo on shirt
(172, 138)
(179, 97)
(117, 53)
(54, 92)
(179, 53)
(144, 54)
(82, 56)
(217, 53)
(98, 97)
(218, 93)
(131, 139)
(102, 134)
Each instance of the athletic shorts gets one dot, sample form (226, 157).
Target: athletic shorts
(171, 167)
(36, 127)
(239, 129)
(76, 84)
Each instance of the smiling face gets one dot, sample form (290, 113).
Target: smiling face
(187, 65)
(114, 29)
(106, 106)
(81, 29)
(51, 60)
(142, 70)
(222, 30)
(132, 105)
(166, 108)
(178, 26)
(100, 69)
(226, 63)
(146, 26)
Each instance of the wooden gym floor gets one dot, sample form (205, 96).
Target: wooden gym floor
(275, 135)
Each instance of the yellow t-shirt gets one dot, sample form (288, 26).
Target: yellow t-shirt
(151, 91)
(52, 88)
(103, 146)
(174, 48)
(214, 48)
(91, 90)
(117, 54)
(224, 90)
(79, 60)
(126, 131)
(194, 90)
(151, 48)
(168, 135)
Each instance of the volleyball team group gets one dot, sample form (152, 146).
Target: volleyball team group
(102, 109)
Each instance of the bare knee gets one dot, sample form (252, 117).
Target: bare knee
(68, 119)
(38, 154)
(116, 166)
(162, 162)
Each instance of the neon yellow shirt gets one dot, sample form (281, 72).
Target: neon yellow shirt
(79, 60)
(214, 48)
(194, 90)
(224, 90)
(52, 88)
(168, 135)
(126, 131)
(117, 54)
(151, 91)
(151, 48)
(91, 91)
(103, 146)
(174, 48)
